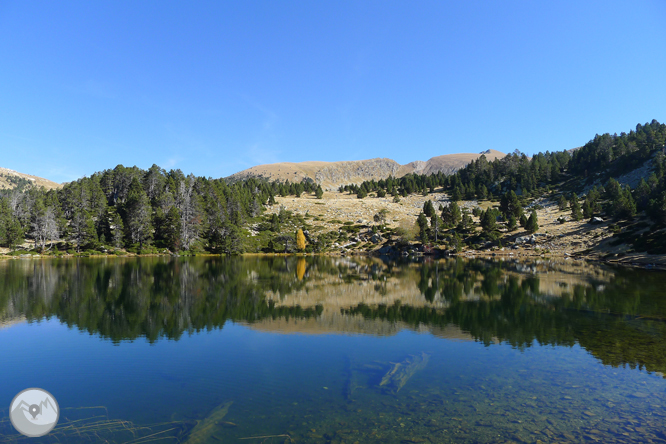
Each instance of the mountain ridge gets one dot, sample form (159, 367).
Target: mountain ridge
(10, 179)
(330, 175)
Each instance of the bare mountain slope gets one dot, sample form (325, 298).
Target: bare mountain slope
(330, 175)
(450, 163)
(11, 179)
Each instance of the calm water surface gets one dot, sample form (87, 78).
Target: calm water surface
(333, 350)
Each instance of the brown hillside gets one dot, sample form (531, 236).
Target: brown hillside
(330, 175)
(450, 163)
(6, 176)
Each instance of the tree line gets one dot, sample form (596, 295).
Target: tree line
(143, 210)
(591, 170)
(140, 210)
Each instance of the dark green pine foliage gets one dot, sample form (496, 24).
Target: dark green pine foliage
(172, 229)
(484, 179)
(532, 224)
(82, 230)
(512, 223)
(576, 213)
(135, 202)
(428, 208)
(482, 192)
(657, 209)
(510, 205)
(11, 232)
(466, 221)
(451, 215)
(436, 225)
(642, 194)
(624, 206)
(614, 155)
(137, 216)
(591, 206)
(422, 222)
(523, 221)
(489, 220)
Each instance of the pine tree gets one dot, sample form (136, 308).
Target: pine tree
(117, 229)
(137, 215)
(523, 221)
(82, 229)
(510, 205)
(643, 194)
(232, 242)
(489, 220)
(435, 225)
(451, 215)
(576, 213)
(466, 220)
(623, 206)
(319, 193)
(457, 242)
(14, 233)
(482, 192)
(428, 208)
(422, 222)
(171, 229)
(11, 229)
(587, 209)
(657, 209)
(513, 223)
(532, 224)
(456, 195)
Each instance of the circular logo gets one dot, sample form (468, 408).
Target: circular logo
(34, 412)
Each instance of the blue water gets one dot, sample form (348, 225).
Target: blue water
(291, 385)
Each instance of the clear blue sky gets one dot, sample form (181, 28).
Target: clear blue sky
(216, 87)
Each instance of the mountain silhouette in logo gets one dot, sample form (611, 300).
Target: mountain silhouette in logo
(41, 423)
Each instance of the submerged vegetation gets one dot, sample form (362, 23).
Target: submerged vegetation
(537, 348)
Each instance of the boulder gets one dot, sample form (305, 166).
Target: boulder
(526, 239)
(386, 250)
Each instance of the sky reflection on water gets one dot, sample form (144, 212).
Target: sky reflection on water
(555, 351)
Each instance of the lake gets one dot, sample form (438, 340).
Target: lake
(335, 350)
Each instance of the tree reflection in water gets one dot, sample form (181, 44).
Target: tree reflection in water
(616, 314)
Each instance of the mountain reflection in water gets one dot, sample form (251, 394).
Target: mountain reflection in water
(616, 314)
